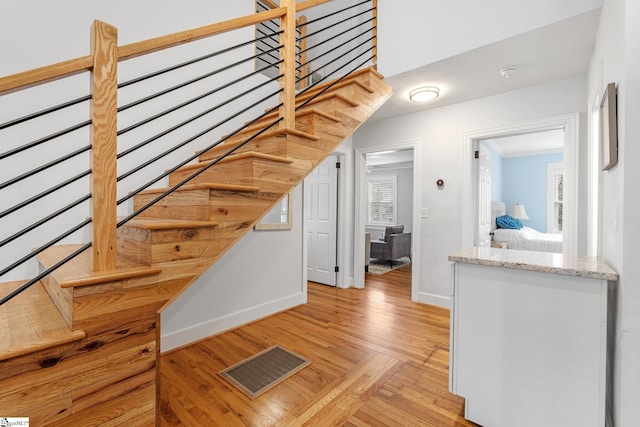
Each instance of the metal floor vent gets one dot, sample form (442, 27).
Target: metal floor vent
(257, 374)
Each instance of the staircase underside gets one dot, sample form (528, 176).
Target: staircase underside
(81, 348)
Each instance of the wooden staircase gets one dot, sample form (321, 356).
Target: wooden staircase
(81, 348)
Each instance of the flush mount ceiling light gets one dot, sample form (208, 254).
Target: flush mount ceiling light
(508, 72)
(424, 94)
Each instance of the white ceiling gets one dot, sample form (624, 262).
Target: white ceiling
(390, 157)
(551, 141)
(553, 52)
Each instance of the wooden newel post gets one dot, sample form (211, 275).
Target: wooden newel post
(104, 87)
(288, 66)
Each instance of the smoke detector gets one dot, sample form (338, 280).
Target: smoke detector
(508, 72)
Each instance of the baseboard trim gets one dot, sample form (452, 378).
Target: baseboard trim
(434, 299)
(200, 331)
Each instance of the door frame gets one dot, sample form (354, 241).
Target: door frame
(570, 124)
(343, 279)
(360, 210)
(333, 225)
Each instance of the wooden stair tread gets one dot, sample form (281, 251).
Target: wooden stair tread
(305, 111)
(239, 156)
(320, 98)
(206, 186)
(344, 83)
(268, 134)
(167, 223)
(325, 96)
(31, 322)
(347, 81)
(77, 272)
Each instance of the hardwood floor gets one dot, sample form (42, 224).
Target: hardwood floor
(378, 359)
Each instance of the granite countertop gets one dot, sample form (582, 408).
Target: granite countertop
(545, 262)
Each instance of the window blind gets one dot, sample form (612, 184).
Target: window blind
(383, 200)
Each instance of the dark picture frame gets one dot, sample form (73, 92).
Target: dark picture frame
(609, 127)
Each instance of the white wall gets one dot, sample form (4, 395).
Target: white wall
(35, 33)
(617, 59)
(413, 33)
(441, 131)
(260, 275)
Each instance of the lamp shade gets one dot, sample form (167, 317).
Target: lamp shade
(518, 212)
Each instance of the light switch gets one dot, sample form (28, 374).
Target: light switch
(424, 213)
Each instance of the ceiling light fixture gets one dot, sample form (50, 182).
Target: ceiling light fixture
(508, 72)
(424, 94)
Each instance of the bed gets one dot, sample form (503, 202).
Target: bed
(526, 238)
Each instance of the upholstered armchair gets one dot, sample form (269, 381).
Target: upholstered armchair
(395, 244)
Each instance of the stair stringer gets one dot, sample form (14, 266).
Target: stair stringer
(111, 374)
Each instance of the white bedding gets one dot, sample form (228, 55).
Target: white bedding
(529, 239)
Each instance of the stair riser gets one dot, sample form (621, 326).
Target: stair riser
(155, 246)
(271, 177)
(99, 369)
(322, 127)
(297, 147)
(95, 313)
(306, 121)
(274, 145)
(132, 402)
(240, 207)
(62, 298)
(186, 205)
(48, 395)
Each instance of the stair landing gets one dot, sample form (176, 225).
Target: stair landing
(31, 322)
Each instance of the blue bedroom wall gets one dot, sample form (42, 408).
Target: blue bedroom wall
(496, 174)
(524, 181)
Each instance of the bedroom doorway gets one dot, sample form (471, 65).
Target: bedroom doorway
(556, 138)
(526, 182)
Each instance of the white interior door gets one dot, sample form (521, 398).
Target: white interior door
(483, 196)
(321, 217)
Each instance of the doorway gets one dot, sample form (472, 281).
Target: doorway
(568, 124)
(360, 209)
(321, 221)
(515, 170)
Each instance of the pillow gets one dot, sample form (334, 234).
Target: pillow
(506, 221)
(396, 229)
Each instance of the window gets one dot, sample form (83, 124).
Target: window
(383, 200)
(555, 184)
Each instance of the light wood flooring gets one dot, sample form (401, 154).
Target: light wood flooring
(378, 359)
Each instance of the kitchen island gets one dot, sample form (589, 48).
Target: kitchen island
(529, 337)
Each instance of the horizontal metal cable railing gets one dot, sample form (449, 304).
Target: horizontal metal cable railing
(165, 115)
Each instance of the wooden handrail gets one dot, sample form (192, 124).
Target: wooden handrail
(309, 4)
(152, 45)
(71, 67)
(270, 3)
(45, 74)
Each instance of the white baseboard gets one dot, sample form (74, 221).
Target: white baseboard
(220, 324)
(434, 299)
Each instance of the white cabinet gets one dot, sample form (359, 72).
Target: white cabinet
(528, 348)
